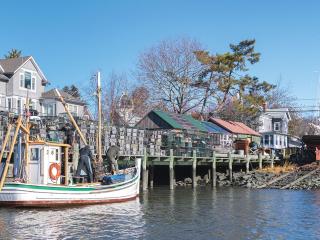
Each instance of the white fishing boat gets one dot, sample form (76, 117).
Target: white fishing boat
(44, 184)
(46, 190)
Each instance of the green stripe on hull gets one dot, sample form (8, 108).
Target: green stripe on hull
(54, 188)
(67, 188)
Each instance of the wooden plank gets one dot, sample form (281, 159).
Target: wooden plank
(300, 179)
(5, 171)
(274, 180)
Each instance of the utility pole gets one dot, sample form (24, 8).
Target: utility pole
(99, 118)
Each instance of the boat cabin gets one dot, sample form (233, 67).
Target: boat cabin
(46, 161)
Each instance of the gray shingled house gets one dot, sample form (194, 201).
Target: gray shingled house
(52, 106)
(20, 78)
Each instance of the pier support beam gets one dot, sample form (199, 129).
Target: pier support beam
(247, 164)
(171, 170)
(260, 160)
(144, 170)
(230, 166)
(151, 175)
(214, 170)
(194, 169)
(272, 160)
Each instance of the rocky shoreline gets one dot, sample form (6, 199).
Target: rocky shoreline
(310, 175)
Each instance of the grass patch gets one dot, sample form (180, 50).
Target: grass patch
(287, 167)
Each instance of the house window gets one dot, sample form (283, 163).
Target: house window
(73, 109)
(33, 104)
(50, 109)
(9, 104)
(277, 126)
(266, 140)
(28, 81)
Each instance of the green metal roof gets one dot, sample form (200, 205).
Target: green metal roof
(180, 121)
(195, 122)
(168, 119)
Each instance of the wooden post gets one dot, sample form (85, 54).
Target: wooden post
(99, 119)
(272, 159)
(214, 169)
(260, 160)
(66, 166)
(194, 168)
(247, 164)
(71, 117)
(144, 170)
(6, 139)
(5, 170)
(151, 176)
(171, 170)
(230, 165)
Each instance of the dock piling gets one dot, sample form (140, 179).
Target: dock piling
(171, 170)
(151, 175)
(247, 164)
(230, 165)
(144, 170)
(260, 160)
(194, 169)
(214, 170)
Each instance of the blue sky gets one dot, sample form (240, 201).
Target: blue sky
(72, 39)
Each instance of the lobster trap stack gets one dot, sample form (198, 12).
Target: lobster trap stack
(129, 140)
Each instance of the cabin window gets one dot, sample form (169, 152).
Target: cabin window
(35, 154)
(277, 126)
(57, 155)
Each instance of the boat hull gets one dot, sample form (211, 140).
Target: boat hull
(31, 195)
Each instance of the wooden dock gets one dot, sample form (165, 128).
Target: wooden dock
(217, 159)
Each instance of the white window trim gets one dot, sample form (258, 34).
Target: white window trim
(73, 106)
(33, 75)
(277, 124)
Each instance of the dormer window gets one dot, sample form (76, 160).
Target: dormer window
(28, 80)
(276, 126)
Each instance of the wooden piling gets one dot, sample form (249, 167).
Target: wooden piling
(260, 160)
(272, 160)
(214, 169)
(230, 165)
(194, 168)
(247, 164)
(151, 175)
(144, 170)
(171, 170)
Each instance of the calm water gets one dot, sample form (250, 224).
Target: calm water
(228, 213)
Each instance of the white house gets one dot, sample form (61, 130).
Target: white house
(274, 128)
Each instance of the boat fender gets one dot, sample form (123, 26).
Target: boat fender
(54, 171)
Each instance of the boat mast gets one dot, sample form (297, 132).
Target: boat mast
(27, 139)
(99, 118)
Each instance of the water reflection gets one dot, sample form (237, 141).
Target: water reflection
(183, 213)
(121, 221)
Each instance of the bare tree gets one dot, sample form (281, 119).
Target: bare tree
(170, 70)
